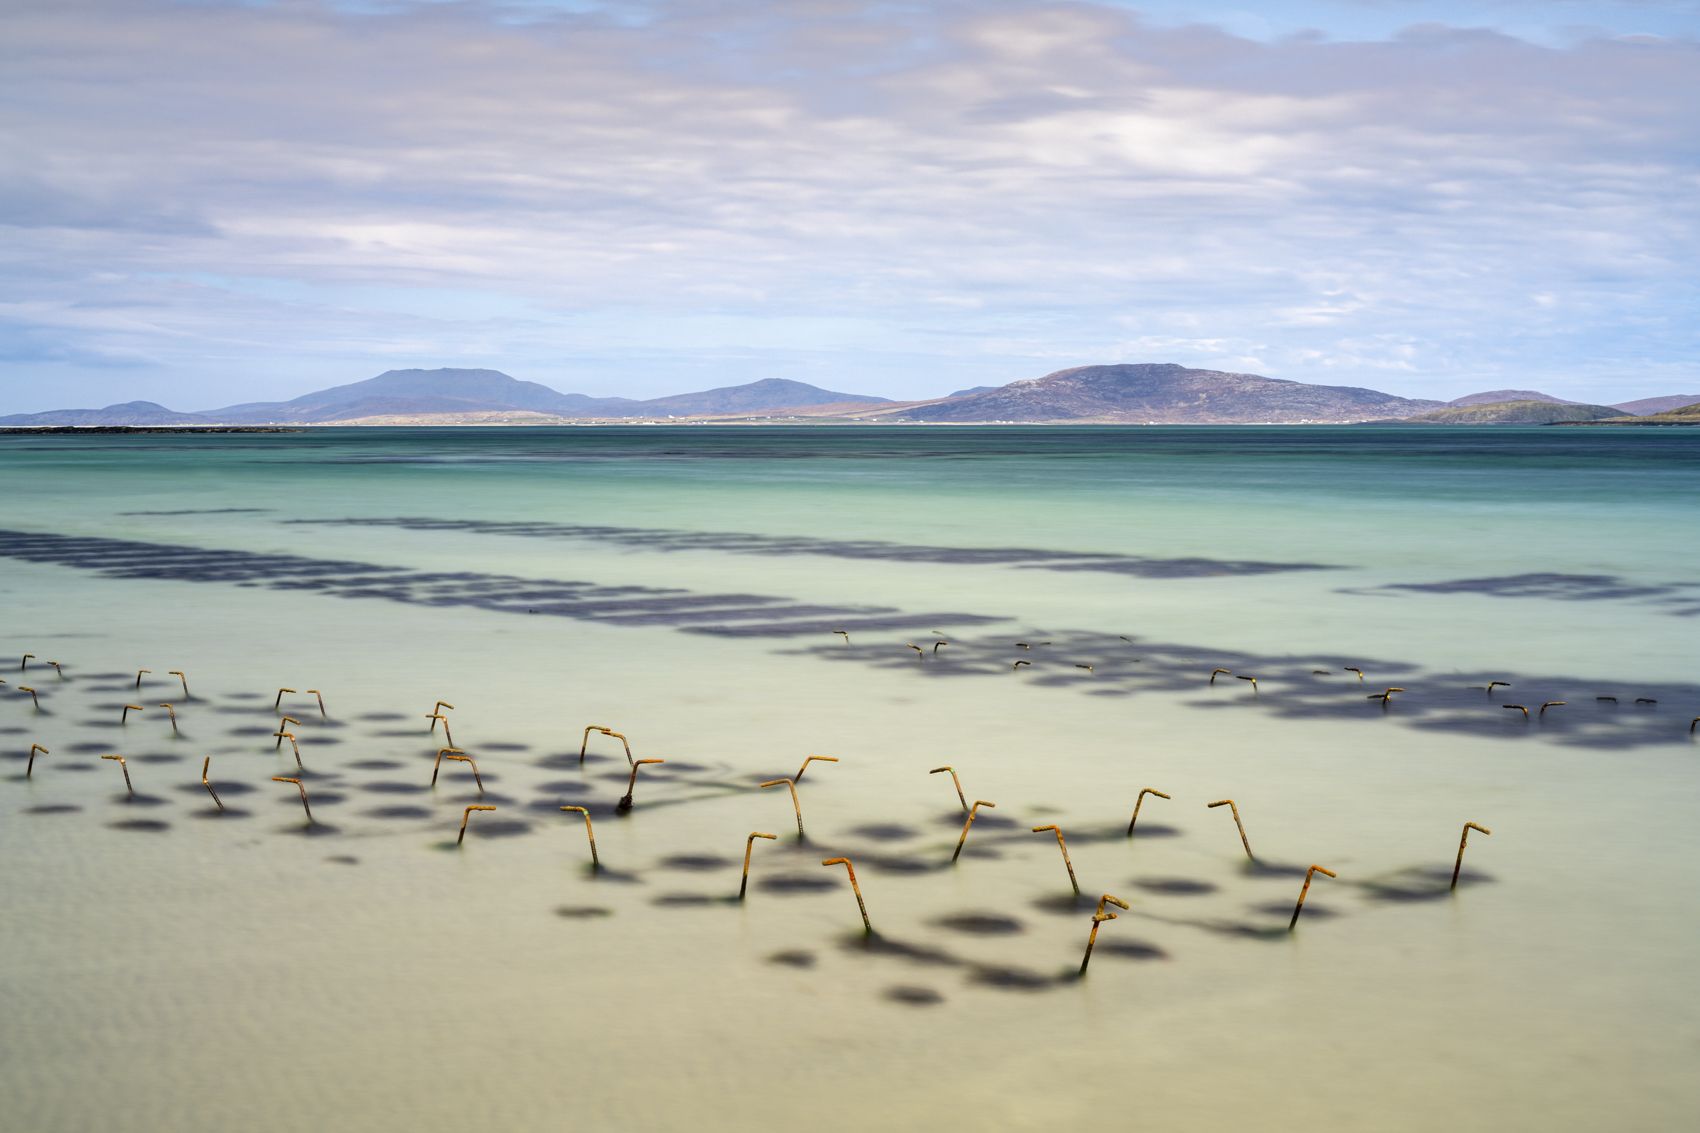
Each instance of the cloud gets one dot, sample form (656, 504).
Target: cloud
(937, 194)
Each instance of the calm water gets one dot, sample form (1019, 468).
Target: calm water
(167, 965)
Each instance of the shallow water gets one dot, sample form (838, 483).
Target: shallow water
(167, 965)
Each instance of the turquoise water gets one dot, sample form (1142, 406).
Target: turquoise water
(683, 586)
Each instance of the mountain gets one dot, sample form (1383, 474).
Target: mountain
(755, 397)
(413, 394)
(1499, 396)
(1165, 393)
(421, 392)
(126, 413)
(1683, 415)
(1125, 393)
(1526, 412)
(1659, 404)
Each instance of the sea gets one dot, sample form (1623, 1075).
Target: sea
(278, 912)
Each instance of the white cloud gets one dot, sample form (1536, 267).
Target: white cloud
(958, 194)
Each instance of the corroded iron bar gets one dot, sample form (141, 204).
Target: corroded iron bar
(1299, 908)
(791, 785)
(749, 845)
(584, 742)
(122, 766)
(1459, 864)
(1098, 918)
(456, 754)
(1064, 847)
(1231, 805)
(299, 787)
(466, 814)
(867, 925)
(589, 833)
(972, 812)
(625, 802)
(1107, 899)
(206, 763)
(1140, 801)
(954, 780)
(293, 746)
(813, 758)
(434, 717)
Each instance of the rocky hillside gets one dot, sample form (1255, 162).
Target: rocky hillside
(1686, 415)
(473, 396)
(763, 396)
(416, 392)
(1659, 404)
(126, 413)
(1514, 413)
(1165, 393)
(1145, 393)
(1499, 396)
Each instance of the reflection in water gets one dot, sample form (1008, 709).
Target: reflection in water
(745, 543)
(1293, 688)
(980, 924)
(1680, 599)
(621, 605)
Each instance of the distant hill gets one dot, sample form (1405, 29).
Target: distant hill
(126, 413)
(1159, 393)
(1659, 404)
(1500, 396)
(756, 397)
(416, 392)
(423, 393)
(1685, 415)
(1513, 413)
(1165, 393)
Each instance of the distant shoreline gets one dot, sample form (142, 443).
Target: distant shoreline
(796, 422)
(104, 429)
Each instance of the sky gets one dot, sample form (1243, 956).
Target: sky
(212, 202)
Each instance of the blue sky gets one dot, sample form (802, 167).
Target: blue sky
(206, 203)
